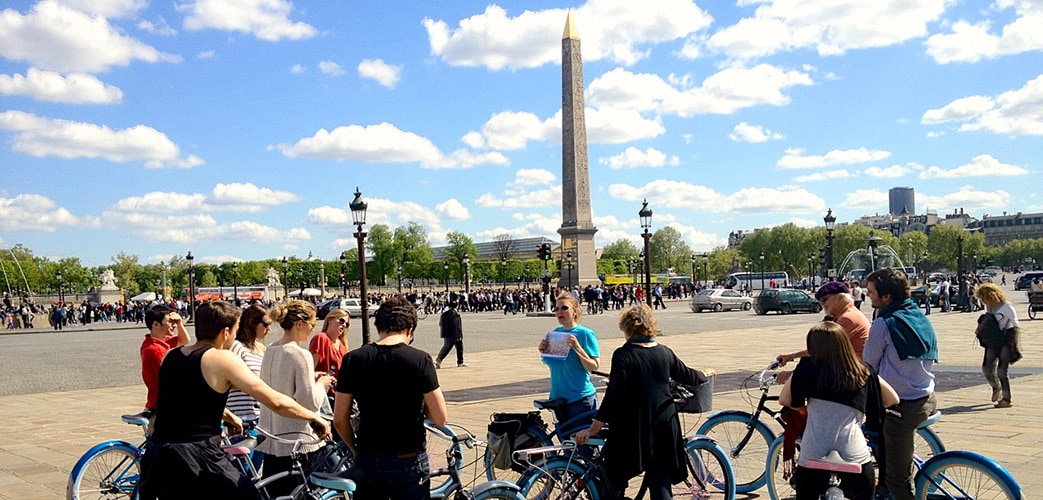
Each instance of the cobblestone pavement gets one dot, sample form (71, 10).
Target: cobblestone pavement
(42, 435)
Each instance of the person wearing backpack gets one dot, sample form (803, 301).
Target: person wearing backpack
(1003, 350)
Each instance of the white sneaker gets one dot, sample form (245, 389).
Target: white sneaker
(462, 365)
(438, 364)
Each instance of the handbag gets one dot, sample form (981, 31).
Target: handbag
(988, 331)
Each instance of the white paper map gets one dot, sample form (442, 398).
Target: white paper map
(557, 345)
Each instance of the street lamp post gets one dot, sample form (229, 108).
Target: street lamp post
(285, 278)
(467, 275)
(358, 215)
(163, 270)
(445, 268)
(811, 272)
(568, 264)
(235, 282)
(322, 278)
(762, 270)
(645, 215)
(830, 221)
(398, 271)
(191, 286)
(343, 277)
(58, 276)
(503, 271)
(692, 258)
(300, 277)
(706, 273)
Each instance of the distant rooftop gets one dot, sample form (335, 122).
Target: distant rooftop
(521, 248)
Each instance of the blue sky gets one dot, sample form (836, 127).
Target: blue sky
(239, 129)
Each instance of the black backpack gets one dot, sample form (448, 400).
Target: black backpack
(988, 332)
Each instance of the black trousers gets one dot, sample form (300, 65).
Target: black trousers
(448, 344)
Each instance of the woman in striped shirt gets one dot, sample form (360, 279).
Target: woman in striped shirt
(254, 326)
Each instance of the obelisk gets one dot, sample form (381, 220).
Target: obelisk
(577, 227)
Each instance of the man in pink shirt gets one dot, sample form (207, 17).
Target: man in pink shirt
(166, 331)
(838, 303)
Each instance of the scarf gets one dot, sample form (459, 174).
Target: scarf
(911, 332)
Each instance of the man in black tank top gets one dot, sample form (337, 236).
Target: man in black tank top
(184, 458)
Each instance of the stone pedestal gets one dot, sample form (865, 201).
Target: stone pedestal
(106, 294)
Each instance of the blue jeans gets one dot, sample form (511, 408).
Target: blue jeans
(393, 476)
(574, 408)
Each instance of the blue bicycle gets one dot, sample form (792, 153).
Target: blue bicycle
(109, 470)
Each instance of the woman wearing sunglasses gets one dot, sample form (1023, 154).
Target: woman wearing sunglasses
(329, 346)
(570, 374)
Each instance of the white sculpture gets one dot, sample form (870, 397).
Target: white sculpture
(273, 278)
(108, 279)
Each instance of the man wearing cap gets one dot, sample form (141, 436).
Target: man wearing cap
(837, 302)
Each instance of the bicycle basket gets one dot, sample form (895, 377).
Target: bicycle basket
(506, 434)
(694, 398)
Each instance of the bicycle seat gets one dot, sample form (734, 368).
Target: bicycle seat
(138, 418)
(834, 463)
(933, 419)
(550, 404)
(332, 481)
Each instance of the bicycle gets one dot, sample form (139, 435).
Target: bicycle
(110, 469)
(453, 487)
(567, 474)
(954, 475)
(313, 484)
(531, 431)
(749, 440)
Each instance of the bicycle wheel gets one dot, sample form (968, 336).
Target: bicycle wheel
(107, 471)
(710, 473)
(964, 475)
(927, 444)
(728, 429)
(779, 478)
(496, 493)
(437, 447)
(532, 437)
(557, 478)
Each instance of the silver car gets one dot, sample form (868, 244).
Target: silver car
(720, 299)
(352, 305)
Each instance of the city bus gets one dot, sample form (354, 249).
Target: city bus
(754, 279)
(662, 279)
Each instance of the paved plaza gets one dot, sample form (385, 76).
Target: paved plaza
(43, 434)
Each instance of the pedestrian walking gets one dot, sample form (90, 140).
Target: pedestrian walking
(1003, 352)
(452, 333)
(657, 297)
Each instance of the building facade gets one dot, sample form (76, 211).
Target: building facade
(1002, 229)
(901, 200)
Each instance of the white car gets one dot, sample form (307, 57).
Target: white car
(352, 305)
(720, 299)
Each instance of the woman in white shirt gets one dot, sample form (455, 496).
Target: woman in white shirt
(287, 367)
(999, 357)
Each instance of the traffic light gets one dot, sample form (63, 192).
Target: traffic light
(543, 251)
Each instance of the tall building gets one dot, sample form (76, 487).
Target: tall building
(901, 200)
(577, 227)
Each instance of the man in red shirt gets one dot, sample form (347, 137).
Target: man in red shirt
(166, 331)
(837, 302)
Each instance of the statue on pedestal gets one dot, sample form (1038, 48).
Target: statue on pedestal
(108, 280)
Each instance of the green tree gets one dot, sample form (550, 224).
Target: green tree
(911, 246)
(459, 245)
(667, 250)
(381, 242)
(410, 241)
(621, 249)
(941, 245)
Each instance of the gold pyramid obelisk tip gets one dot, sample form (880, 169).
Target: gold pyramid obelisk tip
(570, 28)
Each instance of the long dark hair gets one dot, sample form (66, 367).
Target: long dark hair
(252, 316)
(830, 347)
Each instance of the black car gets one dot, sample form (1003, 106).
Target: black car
(1024, 282)
(785, 301)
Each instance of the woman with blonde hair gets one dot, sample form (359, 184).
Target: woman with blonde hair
(570, 374)
(646, 433)
(329, 346)
(289, 369)
(999, 356)
(839, 390)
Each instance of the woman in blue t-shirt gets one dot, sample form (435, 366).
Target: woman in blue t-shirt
(570, 375)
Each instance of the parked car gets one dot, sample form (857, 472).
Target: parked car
(1024, 282)
(918, 295)
(785, 301)
(352, 306)
(720, 299)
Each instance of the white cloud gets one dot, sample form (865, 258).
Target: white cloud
(724, 92)
(865, 200)
(823, 176)
(338, 220)
(384, 143)
(972, 42)
(452, 209)
(107, 8)
(533, 177)
(794, 158)
(967, 198)
(56, 37)
(832, 27)
(330, 68)
(74, 88)
(1015, 112)
(618, 31)
(664, 193)
(265, 19)
(980, 166)
(744, 132)
(33, 212)
(297, 69)
(236, 197)
(632, 157)
(385, 74)
(191, 228)
(892, 172)
(549, 197)
(160, 27)
(41, 137)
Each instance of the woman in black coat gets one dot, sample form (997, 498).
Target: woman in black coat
(645, 434)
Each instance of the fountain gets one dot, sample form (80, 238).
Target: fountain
(859, 263)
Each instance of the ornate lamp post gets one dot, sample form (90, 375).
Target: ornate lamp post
(568, 264)
(300, 277)
(358, 215)
(467, 275)
(445, 268)
(706, 274)
(398, 271)
(163, 270)
(343, 278)
(830, 222)
(749, 277)
(58, 276)
(762, 270)
(692, 258)
(235, 282)
(811, 271)
(645, 214)
(285, 278)
(503, 271)
(191, 286)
